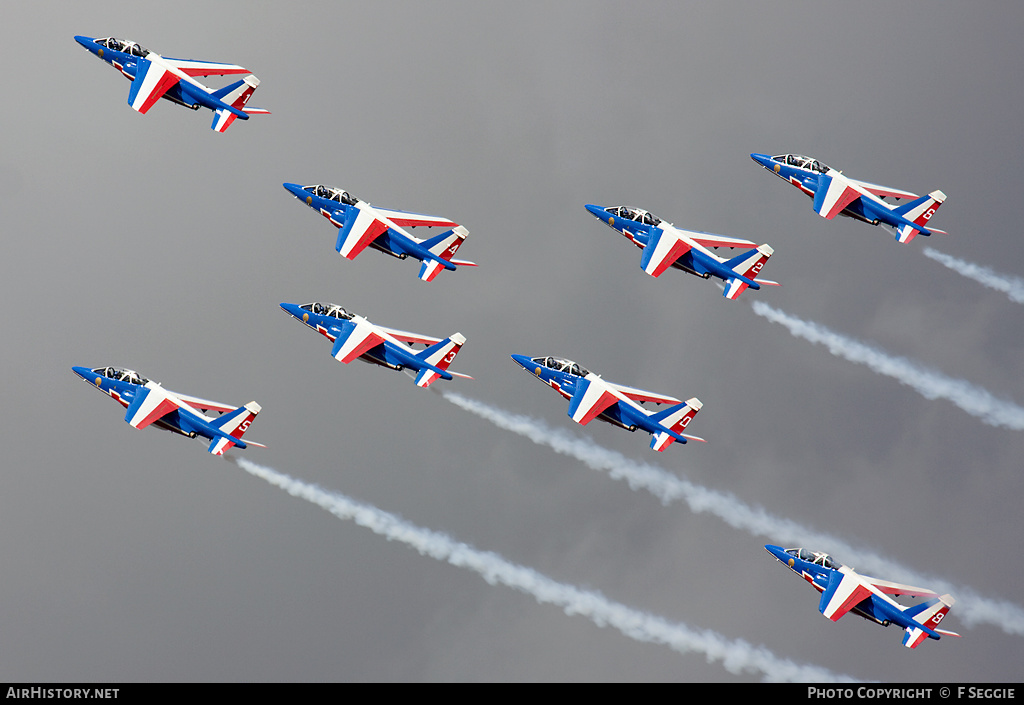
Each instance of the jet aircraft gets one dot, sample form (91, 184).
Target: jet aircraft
(666, 246)
(354, 337)
(361, 225)
(844, 590)
(154, 77)
(148, 403)
(836, 194)
(592, 397)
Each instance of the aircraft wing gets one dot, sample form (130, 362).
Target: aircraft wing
(405, 219)
(360, 227)
(663, 248)
(151, 403)
(642, 395)
(204, 404)
(363, 337)
(409, 338)
(835, 192)
(881, 191)
(890, 588)
(845, 591)
(153, 78)
(592, 396)
(204, 68)
(712, 240)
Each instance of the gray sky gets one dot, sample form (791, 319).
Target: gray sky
(154, 243)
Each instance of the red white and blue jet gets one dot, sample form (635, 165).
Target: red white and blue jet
(355, 338)
(844, 590)
(591, 397)
(148, 403)
(361, 225)
(154, 77)
(836, 194)
(665, 245)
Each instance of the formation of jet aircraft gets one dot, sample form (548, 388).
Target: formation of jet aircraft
(154, 77)
(361, 225)
(665, 245)
(592, 397)
(835, 194)
(355, 338)
(844, 590)
(147, 403)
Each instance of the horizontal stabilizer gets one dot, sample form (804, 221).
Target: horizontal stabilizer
(429, 269)
(912, 636)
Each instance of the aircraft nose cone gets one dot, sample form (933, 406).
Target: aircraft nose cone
(291, 310)
(83, 372)
(777, 551)
(762, 159)
(523, 361)
(87, 42)
(597, 211)
(296, 190)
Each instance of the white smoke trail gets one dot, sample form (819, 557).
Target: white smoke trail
(736, 655)
(972, 608)
(1013, 287)
(929, 383)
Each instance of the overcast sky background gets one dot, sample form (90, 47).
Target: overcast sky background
(152, 242)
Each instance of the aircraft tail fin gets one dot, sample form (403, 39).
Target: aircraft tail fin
(919, 212)
(675, 418)
(444, 247)
(234, 424)
(440, 355)
(747, 265)
(236, 95)
(928, 614)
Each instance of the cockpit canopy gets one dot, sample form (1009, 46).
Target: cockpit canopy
(332, 310)
(121, 375)
(331, 194)
(562, 365)
(801, 161)
(637, 214)
(815, 557)
(123, 45)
